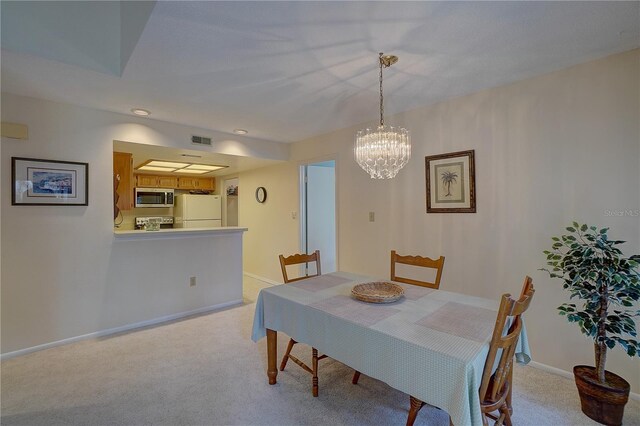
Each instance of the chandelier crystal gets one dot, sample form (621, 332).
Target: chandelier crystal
(383, 151)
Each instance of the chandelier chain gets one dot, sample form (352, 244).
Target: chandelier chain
(381, 97)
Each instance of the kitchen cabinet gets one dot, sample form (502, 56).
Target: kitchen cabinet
(156, 181)
(189, 182)
(123, 167)
(167, 182)
(207, 183)
(175, 182)
(146, 181)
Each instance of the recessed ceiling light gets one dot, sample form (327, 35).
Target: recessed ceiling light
(240, 131)
(141, 112)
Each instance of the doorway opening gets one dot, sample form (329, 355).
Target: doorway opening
(230, 207)
(318, 212)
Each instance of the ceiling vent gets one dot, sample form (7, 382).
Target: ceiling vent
(200, 140)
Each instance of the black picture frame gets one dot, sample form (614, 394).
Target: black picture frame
(261, 194)
(39, 182)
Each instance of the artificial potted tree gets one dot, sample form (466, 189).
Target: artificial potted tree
(595, 271)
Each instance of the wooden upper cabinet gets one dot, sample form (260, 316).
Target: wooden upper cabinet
(123, 167)
(167, 181)
(146, 181)
(207, 183)
(156, 181)
(188, 182)
(175, 182)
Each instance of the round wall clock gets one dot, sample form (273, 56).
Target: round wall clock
(261, 194)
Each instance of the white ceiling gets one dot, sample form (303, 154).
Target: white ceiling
(287, 71)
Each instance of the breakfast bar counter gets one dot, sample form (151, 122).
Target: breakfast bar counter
(175, 232)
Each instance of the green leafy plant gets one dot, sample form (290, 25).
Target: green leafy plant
(594, 270)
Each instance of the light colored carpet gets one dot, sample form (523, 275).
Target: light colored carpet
(205, 370)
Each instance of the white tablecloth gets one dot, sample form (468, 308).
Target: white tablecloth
(431, 344)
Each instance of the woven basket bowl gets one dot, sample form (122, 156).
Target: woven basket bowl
(377, 292)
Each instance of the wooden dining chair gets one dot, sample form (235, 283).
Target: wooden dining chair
(495, 387)
(298, 259)
(424, 262)
(527, 286)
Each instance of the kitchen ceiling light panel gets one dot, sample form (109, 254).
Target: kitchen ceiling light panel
(171, 164)
(192, 172)
(157, 169)
(206, 167)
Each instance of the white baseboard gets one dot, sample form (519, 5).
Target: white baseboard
(569, 375)
(127, 327)
(259, 278)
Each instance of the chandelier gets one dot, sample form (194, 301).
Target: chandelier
(382, 152)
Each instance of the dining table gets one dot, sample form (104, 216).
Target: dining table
(431, 344)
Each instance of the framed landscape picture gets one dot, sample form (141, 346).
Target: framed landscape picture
(37, 182)
(451, 182)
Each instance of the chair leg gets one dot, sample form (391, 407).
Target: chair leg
(285, 358)
(314, 367)
(510, 380)
(416, 405)
(485, 422)
(506, 412)
(356, 377)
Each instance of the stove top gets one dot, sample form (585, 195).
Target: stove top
(165, 221)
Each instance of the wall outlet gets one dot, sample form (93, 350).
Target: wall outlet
(192, 282)
(294, 215)
(372, 217)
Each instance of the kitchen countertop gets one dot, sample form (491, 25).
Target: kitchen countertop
(175, 232)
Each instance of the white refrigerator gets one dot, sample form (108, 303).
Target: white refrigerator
(197, 211)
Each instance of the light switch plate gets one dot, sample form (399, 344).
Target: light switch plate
(372, 217)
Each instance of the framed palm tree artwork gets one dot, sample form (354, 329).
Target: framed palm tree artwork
(451, 182)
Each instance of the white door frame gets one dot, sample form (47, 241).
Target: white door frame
(223, 193)
(302, 200)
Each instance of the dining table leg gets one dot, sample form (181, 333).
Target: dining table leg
(415, 406)
(272, 355)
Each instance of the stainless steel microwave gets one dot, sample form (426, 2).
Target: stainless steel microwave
(154, 197)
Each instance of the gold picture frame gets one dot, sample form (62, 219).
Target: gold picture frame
(451, 182)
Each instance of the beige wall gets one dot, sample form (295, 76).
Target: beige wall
(271, 228)
(63, 273)
(549, 150)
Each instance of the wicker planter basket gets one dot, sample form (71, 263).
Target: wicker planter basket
(603, 403)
